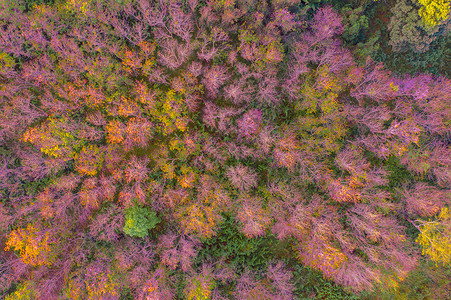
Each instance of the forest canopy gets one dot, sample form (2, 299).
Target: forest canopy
(225, 149)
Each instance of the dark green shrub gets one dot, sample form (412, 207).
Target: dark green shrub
(355, 23)
(238, 250)
(310, 284)
(398, 174)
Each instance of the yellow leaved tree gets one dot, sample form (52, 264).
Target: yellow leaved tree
(435, 237)
(33, 246)
(434, 12)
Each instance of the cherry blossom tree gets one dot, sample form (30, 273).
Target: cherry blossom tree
(242, 177)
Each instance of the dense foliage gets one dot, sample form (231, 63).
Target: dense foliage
(139, 220)
(185, 149)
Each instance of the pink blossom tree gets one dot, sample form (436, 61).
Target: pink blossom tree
(254, 218)
(242, 177)
(177, 250)
(249, 123)
(424, 200)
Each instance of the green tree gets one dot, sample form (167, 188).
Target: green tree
(139, 220)
(408, 28)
